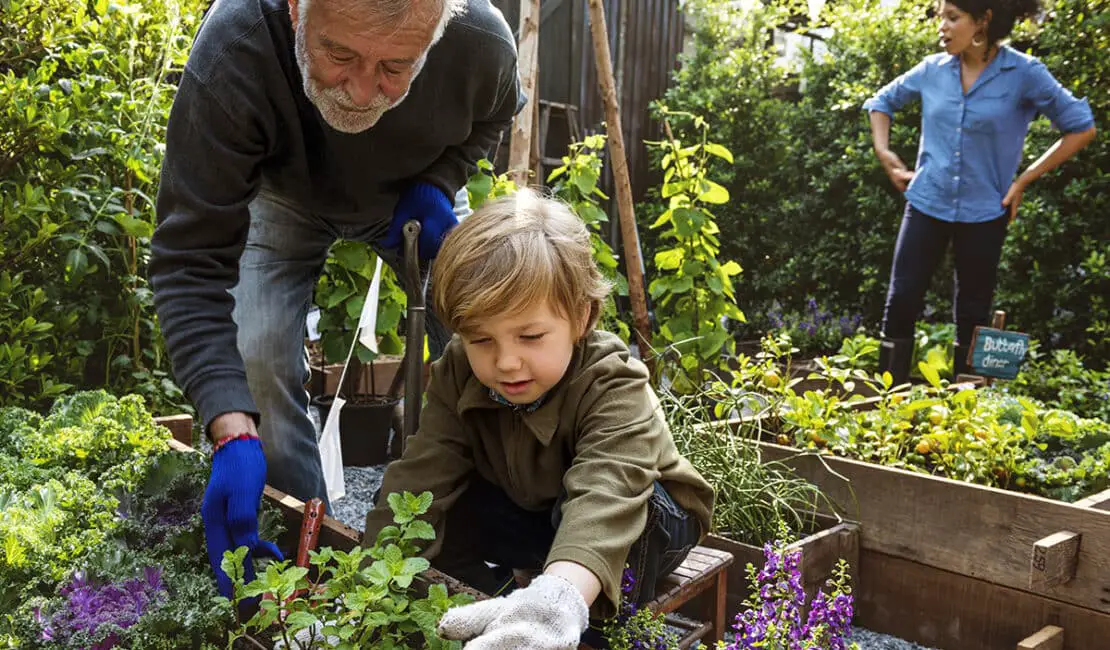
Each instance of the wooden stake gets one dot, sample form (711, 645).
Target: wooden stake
(1054, 560)
(528, 57)
(629, 237)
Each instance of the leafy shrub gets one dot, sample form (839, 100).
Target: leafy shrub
(87, 89)
(341, 294)
(811, 212)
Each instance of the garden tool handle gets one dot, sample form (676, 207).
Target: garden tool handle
(310, 535)
(310, 530)
(414, 331)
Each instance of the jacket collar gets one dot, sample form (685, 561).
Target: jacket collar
(542, 422)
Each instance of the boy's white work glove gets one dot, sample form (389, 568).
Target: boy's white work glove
(549, 614)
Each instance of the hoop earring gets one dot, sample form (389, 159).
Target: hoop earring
(977, 42)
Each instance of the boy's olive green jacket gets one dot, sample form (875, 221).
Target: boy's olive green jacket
(600, 434)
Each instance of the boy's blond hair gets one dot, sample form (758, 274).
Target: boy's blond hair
(511, 254)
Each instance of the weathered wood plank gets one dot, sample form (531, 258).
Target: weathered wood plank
(1054, 559)
(1100, 501)
(941, 609)
(180, 426)
(1049, 637)
(977, 531)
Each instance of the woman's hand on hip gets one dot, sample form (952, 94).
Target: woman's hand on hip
(899, 174)
(1013, 199)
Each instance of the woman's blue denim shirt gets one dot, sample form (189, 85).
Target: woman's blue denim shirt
(971, 144)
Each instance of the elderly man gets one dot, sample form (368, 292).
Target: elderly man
(295, 125)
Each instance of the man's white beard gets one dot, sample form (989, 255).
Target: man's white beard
(335, 104)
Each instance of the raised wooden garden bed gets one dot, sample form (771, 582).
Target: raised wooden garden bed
(820, 552)
(959, 566)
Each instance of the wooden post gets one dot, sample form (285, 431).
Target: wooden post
(629, 237)
(528, 58)
(1054, 560)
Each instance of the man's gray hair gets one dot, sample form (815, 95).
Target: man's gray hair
(393, 12)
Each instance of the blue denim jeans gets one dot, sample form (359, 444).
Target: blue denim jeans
(283, 258)
(922, 242)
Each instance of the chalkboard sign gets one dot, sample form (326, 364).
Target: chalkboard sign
(997, 353)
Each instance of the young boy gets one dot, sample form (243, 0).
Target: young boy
(541, 440)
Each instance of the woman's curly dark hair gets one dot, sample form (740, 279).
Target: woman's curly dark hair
(1004, 13)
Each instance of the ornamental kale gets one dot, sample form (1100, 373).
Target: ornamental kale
(775, 619)
(110, 440)
(634, 628)
(95, 614)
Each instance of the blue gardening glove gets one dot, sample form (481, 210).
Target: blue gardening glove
(432, 208)
(230, 507)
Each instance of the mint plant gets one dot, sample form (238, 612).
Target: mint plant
(358, 599)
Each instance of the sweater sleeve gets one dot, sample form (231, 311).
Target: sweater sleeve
(209, 175)
(438, 458)
(452, 169)
(609, 483)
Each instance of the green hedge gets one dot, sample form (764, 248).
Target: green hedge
(84, 94)
(813, 215)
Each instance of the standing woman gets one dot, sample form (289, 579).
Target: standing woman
(978, 98)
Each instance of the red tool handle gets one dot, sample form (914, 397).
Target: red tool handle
(310, 530)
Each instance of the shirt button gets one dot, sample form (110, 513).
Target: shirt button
(957, 178)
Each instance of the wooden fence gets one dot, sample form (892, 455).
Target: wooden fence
(645, 38)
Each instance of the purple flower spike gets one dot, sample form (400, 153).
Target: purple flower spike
(773, 618)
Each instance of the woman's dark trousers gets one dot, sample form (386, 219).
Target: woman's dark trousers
(922, 242)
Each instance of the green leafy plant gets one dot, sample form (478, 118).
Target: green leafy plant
(1061, 379)
(101, 539)
(357, 599)
(575, 183)
(87, 90)
(341, 294)
(981, 436)
(486, 184)
(693, 291)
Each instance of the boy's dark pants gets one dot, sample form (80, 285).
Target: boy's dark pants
(486, 526)
(922, 242)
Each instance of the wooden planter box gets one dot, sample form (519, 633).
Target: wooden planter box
(820, 551)
(959, 566)
(324, 380)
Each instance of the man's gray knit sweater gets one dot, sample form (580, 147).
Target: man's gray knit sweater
(241, 123)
